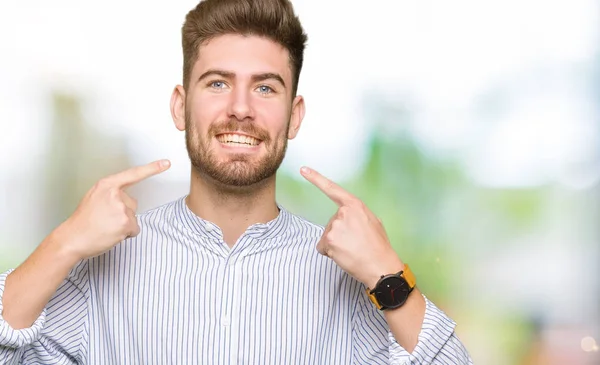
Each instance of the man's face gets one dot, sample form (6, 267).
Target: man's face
(239, 111)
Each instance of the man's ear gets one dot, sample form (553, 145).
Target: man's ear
(178, 107)
(298, 110)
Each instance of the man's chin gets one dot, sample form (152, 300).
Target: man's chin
(240, 184)
(234, 177)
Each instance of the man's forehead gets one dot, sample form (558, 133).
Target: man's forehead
(243, 56)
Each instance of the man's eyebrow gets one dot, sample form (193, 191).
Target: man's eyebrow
(268, 76)
(255, 78)
(212, 72)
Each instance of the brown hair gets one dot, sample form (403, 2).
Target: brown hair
(273, 19)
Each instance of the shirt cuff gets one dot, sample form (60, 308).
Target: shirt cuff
(436, 331)
(9, 337)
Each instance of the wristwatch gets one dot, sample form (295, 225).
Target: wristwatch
(391, 291)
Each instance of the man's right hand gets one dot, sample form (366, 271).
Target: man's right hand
(104, 217)
(106, 214)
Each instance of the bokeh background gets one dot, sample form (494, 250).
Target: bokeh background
(472, 128)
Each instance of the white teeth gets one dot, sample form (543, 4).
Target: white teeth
(238, 140)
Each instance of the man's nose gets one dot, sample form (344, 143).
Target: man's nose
(240, 105)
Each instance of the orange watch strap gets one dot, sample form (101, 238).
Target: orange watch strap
(409, 277)
(373, 299)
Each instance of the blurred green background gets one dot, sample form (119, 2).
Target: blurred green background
(471, 129)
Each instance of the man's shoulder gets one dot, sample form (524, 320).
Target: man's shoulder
(162, 213)
(303, 225)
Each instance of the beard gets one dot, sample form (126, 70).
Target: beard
(239, 170)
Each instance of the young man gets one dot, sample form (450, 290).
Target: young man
(223, 275)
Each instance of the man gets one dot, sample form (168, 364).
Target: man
(223, 275)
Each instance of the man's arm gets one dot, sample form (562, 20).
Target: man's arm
(437, 340)
(437, 343)
(29, 288)
(405, 322)
(356, 240)
(420, 333)
(58, 335)
(105, 217)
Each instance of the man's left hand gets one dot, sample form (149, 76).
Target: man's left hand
(354, 237)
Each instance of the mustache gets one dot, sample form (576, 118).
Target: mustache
(233, 125)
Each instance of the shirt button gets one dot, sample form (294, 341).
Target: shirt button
(225, 321)
(208, 227)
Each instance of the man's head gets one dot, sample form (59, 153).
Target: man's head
(271, 19)
(238, 103)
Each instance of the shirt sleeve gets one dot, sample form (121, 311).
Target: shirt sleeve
(438, 343)
(59, 334)
(374, 343)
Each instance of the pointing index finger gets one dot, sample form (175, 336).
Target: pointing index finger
(136, 174)
(328, 187)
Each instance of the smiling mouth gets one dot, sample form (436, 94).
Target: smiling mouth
(233, 139)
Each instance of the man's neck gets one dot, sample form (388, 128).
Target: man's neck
(230, 209)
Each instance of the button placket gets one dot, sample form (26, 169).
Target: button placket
(230, 312)
(236, 283)
(230, 291)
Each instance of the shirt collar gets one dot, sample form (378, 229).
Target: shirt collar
(202, 227)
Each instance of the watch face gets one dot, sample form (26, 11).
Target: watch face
(392, 291)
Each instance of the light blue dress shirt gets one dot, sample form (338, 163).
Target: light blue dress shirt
(177, 294)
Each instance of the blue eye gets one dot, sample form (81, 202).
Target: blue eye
(217, 84)
(264, 89)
